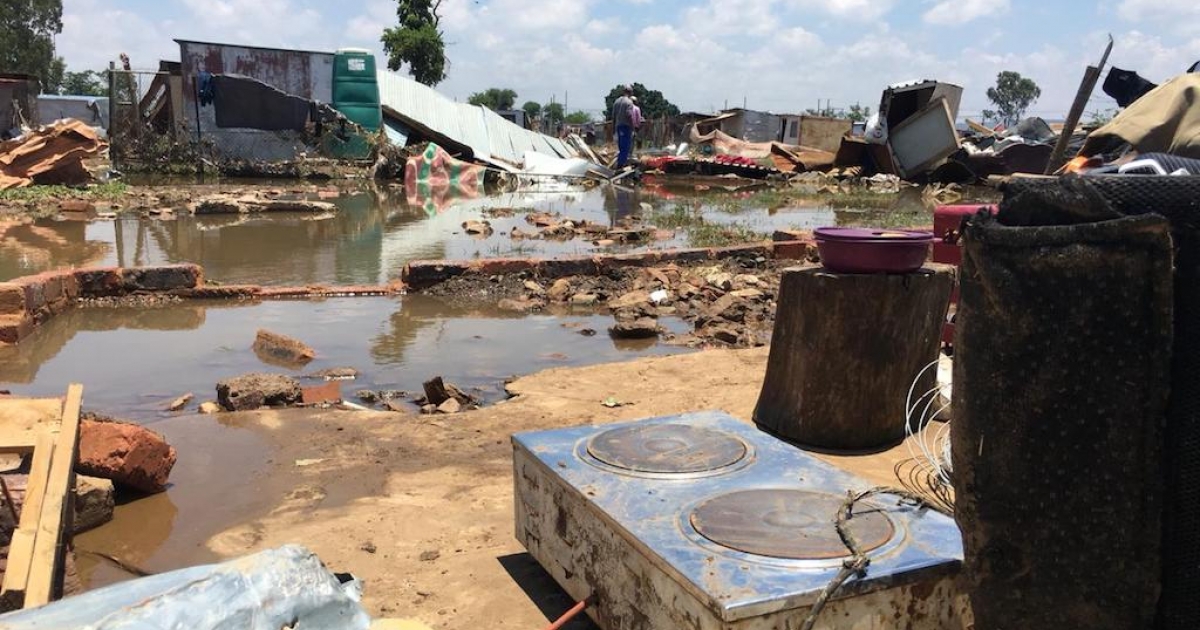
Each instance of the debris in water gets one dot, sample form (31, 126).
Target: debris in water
(281, 350)
(181, 402)
(251, 391)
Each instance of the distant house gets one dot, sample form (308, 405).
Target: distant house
(303, 74)
(793, 129)
(92, 110)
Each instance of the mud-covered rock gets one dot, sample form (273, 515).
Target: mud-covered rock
(251, 391)
(127, 454)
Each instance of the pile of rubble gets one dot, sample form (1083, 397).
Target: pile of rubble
(730, 304)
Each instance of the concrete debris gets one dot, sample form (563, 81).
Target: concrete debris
(258, 202)
(51, 155)
(450, 405)
(584, 299)
(560, 290)
(335, 374)
(181, 402)
(630, 300)
(639, 328)
(93, 502)
(477, 228)
(128, 454)
(209, 407)
(437, 392)
(251, 391)
(721, 280)
(281, 350)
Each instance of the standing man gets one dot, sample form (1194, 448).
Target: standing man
(622, 113)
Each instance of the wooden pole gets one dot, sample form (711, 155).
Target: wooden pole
(845, 351)
(1086, 87)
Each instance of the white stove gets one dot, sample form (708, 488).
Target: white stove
(701, 521)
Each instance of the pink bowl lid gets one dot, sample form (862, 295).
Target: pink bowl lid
(874, 235)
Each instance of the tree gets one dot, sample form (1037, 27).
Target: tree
(578, 117)
(651, 102)
(86, 83)
(533, 109)
(416, 40)
(552, 113)
(495, 99)
(27, 30)
(1012, 95)
(858, 113)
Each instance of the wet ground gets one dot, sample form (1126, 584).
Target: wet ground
(133, 361)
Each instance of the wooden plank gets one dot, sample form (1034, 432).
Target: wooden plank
(20, 554)
(49, 546)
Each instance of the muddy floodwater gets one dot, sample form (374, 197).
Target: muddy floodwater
(374, 232)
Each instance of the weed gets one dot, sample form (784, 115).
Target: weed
(107, 191)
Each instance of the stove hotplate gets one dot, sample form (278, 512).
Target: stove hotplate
(702, 518)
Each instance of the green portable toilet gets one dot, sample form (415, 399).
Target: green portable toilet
(356, 95)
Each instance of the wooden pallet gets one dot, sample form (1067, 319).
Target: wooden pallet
(49, 429)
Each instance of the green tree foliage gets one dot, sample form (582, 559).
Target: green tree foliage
(417, 41)
(858, 113)
(86, 83)
(651, 102)
(495, 99)
(1012, 95)
(533, 109)
(27, 30)
(553, 114)
(578, 117)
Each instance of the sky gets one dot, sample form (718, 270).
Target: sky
(783, 56)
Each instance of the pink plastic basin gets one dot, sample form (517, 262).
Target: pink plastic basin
(867, 250)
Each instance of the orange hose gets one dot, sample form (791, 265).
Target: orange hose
(570, 614)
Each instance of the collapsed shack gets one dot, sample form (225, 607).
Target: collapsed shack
(54, 154)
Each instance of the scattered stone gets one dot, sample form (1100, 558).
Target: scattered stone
(335, 374)
(521, 305)
(437, 391)
(277, 349)
(209, 407)
(329, 393)
(127, 454)
(367, 395)
(368, 547)
(587, 332)
(559, 290)
(428, 409)
(632, 299)
(449, 406)
(76, 205)
(640, 328)
(397, 406)
(724, 334)
(181, 402)
(251, 391)
(430, 556)
(93, 502)
(483, 228)
(534, 287)
(604, 242)
(747, 279)
(723, 304)
(747, 294)
(584, 299)
(720, 280)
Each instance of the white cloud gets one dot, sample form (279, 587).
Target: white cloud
(729, 19)
(858, 9)
(957, 12)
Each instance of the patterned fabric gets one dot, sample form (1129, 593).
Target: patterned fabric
(434, 179)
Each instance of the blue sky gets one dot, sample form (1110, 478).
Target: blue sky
(777, 55)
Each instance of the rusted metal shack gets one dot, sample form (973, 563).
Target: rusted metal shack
(18, 101)
(303, 73)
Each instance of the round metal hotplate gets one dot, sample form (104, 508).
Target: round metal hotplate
(791, 524)
(667, 448)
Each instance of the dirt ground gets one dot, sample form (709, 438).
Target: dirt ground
(421, 507)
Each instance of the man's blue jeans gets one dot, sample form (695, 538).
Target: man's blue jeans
(624, 144)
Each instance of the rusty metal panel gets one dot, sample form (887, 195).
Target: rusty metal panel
(306, 74)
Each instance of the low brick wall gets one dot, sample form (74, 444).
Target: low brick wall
(422, 274)
(28, 301)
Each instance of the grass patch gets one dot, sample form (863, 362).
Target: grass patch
(701, 233)
(107, 191)
(895, 220)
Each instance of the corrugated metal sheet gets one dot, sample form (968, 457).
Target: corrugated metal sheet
(486, 133)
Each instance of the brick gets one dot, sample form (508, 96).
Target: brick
(571, 266)
(128, 454)
(422, 274)
(326, 393)
(794, 250)
(783, 236)
(76, 205)
(504, 266)
(14, 328)
(163, 278)
(99, 282)
(224, 292)
(12, 299)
